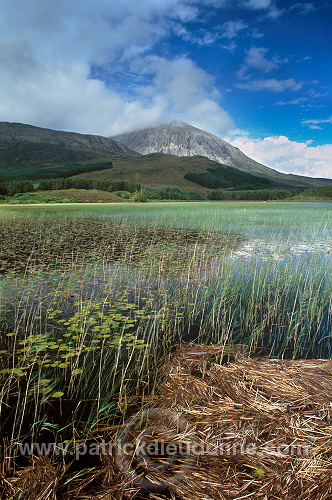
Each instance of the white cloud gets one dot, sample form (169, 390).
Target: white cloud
(288, 156)
(230, 46)
(299, 100)
(308, 101)
(271, 84)
(48, 49)
(268, 5)
(231, 29)
(314, 122)
(258, 4)
(255, 58)
(201, 37)
(185, 90)
(303, 8)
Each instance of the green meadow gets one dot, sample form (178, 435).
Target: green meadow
(93, 297)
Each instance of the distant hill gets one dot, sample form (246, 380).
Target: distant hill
(32, 152)
(13, 133)
(181, 139)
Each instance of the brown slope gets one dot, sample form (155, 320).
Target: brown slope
(157, 169)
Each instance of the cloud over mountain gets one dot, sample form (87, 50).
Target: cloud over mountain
(110, 67)
(48, 51)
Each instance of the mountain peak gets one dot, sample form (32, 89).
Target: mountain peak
(182, 139)
(177, 138)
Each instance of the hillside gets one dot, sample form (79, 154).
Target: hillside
(28, 152)
(186, 157)
(181, 139)
(34, 153)
(28, 160)
(13, 133)
(186, 172)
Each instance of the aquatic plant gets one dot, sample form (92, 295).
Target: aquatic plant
(90, 306)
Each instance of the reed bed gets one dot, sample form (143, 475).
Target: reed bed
(90, 308)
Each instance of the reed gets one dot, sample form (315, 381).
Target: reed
(89, 307)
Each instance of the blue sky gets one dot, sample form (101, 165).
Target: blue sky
(254, 72)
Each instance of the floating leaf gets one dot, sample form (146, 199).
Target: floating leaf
(13, 371)
(44, 381)
(77, 371)
(58, 394)
(63, 365)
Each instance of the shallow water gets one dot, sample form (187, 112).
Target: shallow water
(284, 249)
(272, 230)
(278, 277)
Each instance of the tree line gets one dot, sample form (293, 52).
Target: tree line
(128, 189)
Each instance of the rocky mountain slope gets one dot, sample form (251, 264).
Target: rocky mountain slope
(181, 139)
(13, 133)
(31, 152)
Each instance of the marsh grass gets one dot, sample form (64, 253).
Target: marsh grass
(90, 307)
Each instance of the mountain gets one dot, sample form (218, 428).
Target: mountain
(13, 133)
(33, 153)
(175, 154)
(181, 139)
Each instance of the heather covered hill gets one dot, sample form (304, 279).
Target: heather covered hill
(176, 154)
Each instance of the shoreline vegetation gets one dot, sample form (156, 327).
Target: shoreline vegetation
(85, 190)
(94, 306)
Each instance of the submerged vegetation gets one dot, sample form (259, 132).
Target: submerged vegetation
(92, 300)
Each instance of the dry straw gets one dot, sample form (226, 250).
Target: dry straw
(263, 427)
(264, 424)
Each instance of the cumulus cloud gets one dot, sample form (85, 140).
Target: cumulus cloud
(271, 84)
(58, 58)
(288, 156)
(185, 90)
